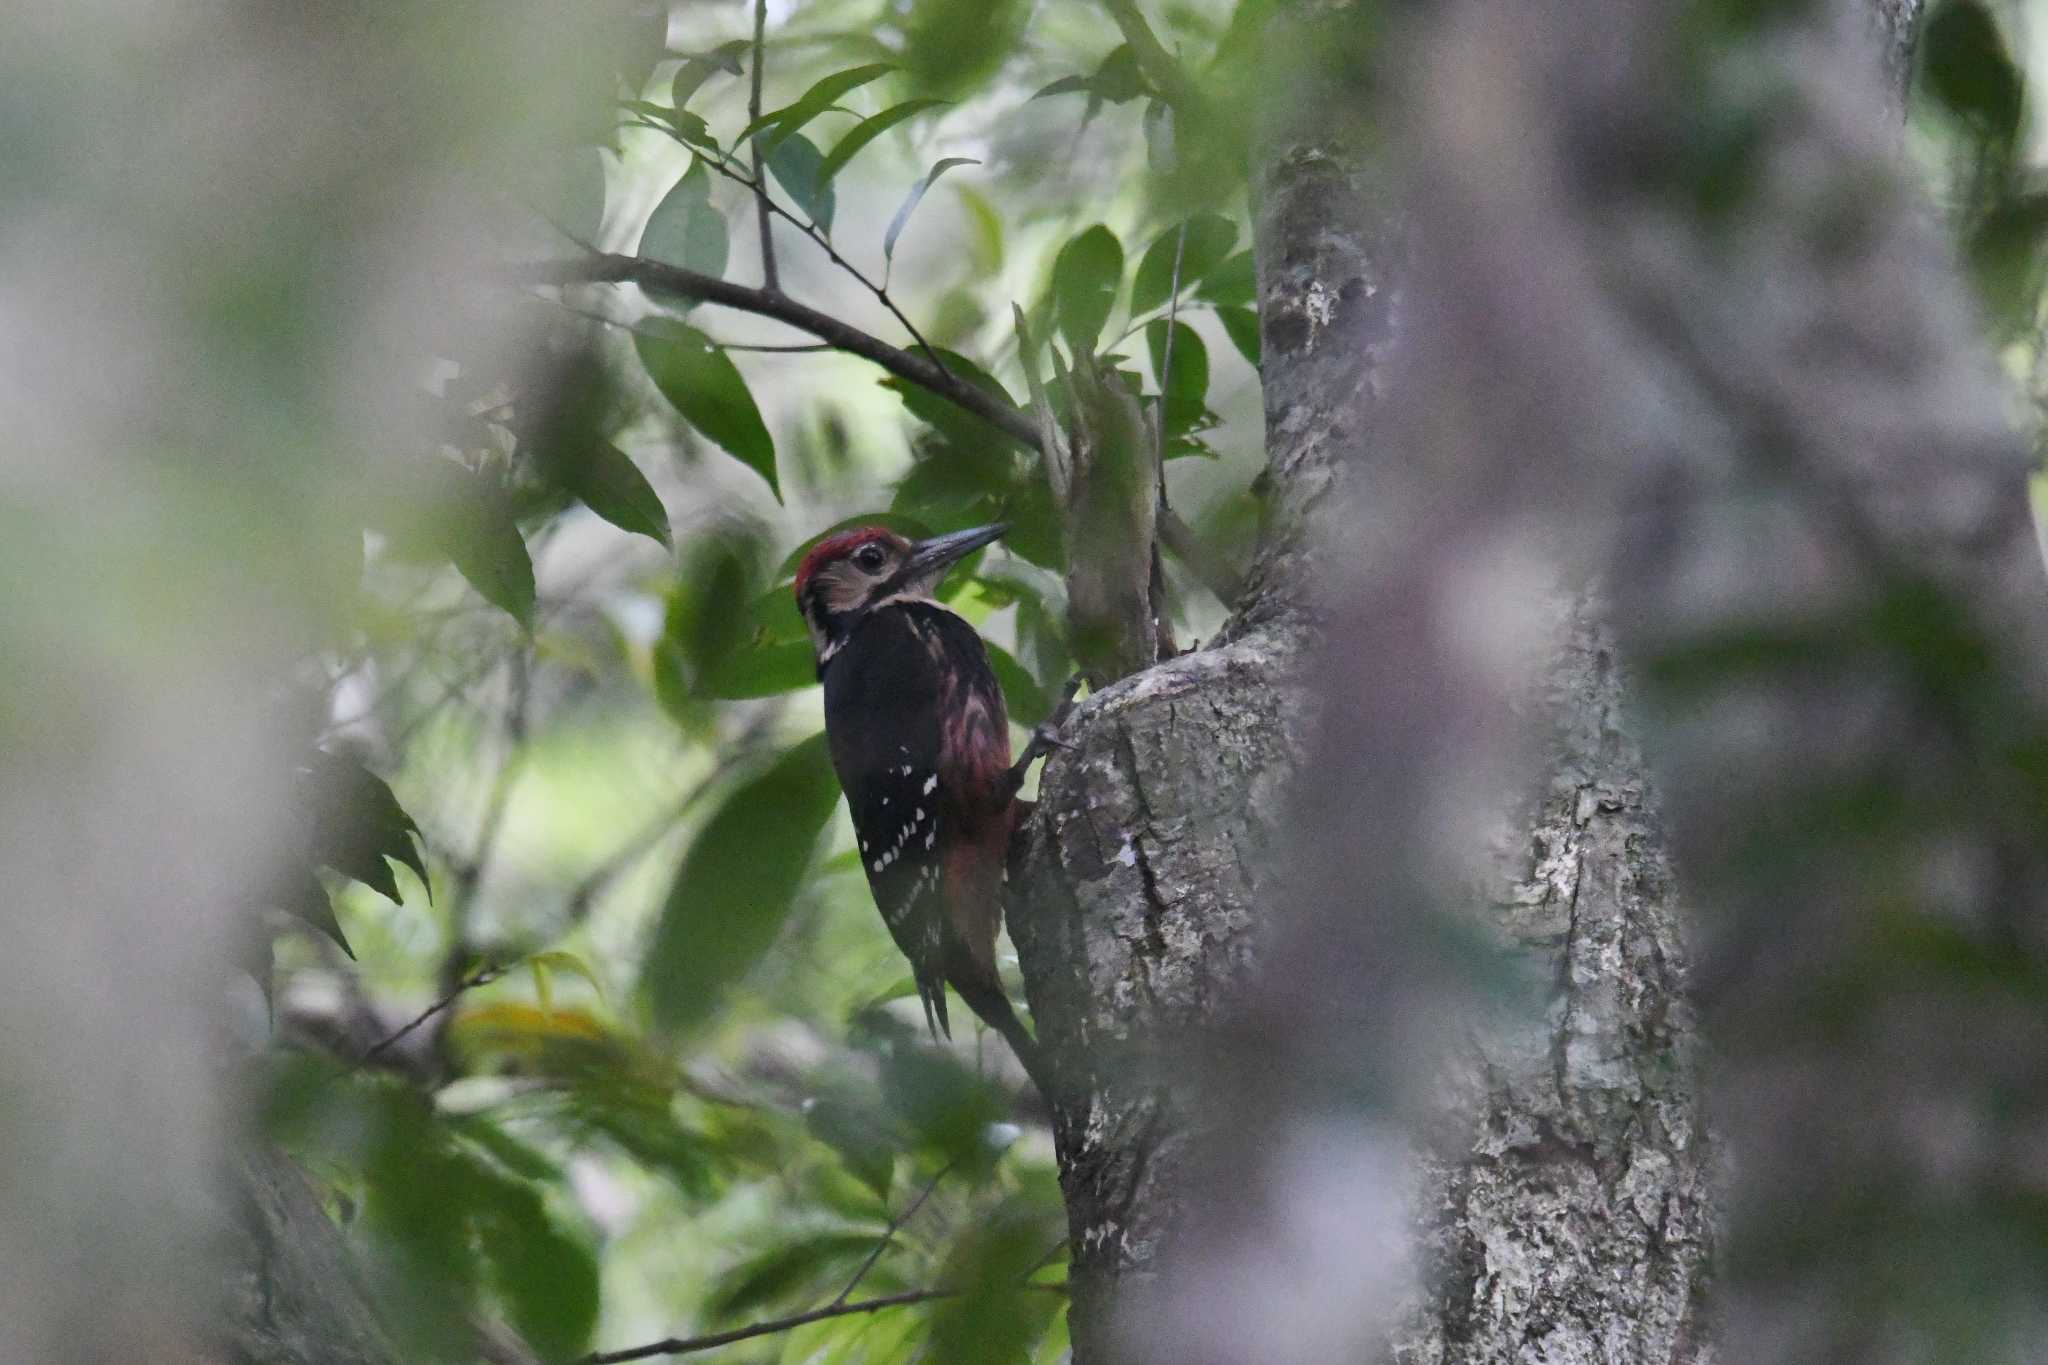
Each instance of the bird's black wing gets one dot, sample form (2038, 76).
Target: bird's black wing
(882, 721)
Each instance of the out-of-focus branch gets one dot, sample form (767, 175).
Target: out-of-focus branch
(762, 207)
(483, 976)
(663, 278)
(889, 1235)
(1167, 75)
(1827, 577)
(682, 1346)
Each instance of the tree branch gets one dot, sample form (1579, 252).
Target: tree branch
(1159, 65)
(662, 278)
(659, 277)
(759, 186)
(762, 207)
(889, 1235)
(481, 977)
(678, 1346)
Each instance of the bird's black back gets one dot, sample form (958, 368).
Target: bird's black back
(893, 693)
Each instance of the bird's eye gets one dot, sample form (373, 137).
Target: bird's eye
(869, 557)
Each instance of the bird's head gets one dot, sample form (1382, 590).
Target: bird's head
(847, 575)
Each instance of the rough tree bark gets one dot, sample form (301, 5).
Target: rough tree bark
(1574, 1226)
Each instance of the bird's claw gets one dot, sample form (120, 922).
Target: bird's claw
(1047, 734)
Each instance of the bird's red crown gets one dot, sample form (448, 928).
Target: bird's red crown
(838, 547)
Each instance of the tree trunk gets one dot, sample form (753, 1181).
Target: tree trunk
(294, 1295)
(1574, 1225)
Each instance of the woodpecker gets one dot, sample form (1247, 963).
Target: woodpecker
(920, 738)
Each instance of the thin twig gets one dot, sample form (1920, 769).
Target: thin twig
(677, 1346)
(483, 976)
(680, 1346)
(1180, 247)
(889, 1235)
(881, 291)
(769, 281)
(923, 370)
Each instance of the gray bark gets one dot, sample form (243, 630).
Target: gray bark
(1576, 1226)
(1566, 1217)
(294, 1296)
(1831, 578)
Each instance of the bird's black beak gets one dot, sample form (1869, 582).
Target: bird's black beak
(929, 559)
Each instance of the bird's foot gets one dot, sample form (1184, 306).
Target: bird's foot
(1045, 736)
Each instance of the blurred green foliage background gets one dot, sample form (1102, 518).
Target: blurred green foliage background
(586, 1022)
(677, 1080)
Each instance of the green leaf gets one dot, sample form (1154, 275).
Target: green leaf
(772, 656)
(417, 1211)
(797, 167)
(867, 130)
(444, 511)
(2005, 257)
(1025, 699)
(702, 632)
(1186, 387)
(685, 229)
(700, 67)
(574, 202)
(994, 1316)
(958, 424)
(911, 200)
(1085, 279)
(945, 1106)
(611, 485)
(492, 556)
(546, 1277)
(953, 45)
(1968, 67)
(737, 884)
(772, 1276)
(1242, 327)
(556, 960)
(1233, 283)
(1209, 239)
(1116, 80)
(781, 123)
(356, 823)
(847, 1120)
(508, 1151)
(706, 388)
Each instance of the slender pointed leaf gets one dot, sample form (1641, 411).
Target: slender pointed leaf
(867, 130)
(912, 199)
(1186, 386)
(796, 164)
(605, 479)
(778, 124)
(706, 388)
(546, 1276)
(737, 884)
(697, 69)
